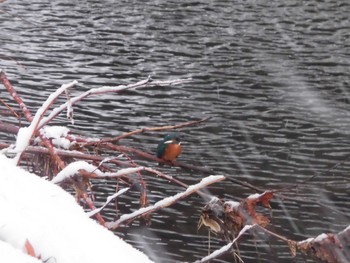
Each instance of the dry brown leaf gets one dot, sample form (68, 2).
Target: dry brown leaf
(261, 220)
(29, 248)
(293, 247)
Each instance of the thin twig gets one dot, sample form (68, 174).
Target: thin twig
(274, 234)
(15, 96)
(91, 205)
(10, 109)
(142, 130)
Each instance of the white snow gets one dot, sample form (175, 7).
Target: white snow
(57, 135)
(107, 159)
(62, 143)
(310, 239)
(23, 138)
(320, 237)
(49, 218)
(72, 168)
(205, 181)
(55, 131)
(345, 230)
(12, 255)
(70, 110)
(214, 199)
(232, 204)
(254, 196)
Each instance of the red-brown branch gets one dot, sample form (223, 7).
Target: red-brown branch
(14, 95)
(29, 117)
(142, 130)
(91, 205)
(13, 112)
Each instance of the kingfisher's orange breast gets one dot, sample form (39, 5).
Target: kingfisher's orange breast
(172, 151)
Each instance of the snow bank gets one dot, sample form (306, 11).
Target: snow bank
(57, 228)
(11, 255)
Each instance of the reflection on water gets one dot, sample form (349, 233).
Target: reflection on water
(272, 75)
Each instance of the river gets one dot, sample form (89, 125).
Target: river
(272, 75)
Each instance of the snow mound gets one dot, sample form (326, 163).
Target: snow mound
(56, 227)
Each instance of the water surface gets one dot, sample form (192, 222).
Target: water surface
(273, 76)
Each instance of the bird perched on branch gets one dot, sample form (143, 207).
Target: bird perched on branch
(170, 147)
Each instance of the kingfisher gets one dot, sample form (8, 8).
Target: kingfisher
(170, 147)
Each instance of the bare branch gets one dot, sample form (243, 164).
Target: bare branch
(15, 96)
(142, 130)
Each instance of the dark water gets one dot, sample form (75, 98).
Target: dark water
(273, 75)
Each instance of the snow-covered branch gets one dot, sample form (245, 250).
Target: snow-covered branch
(166, 201)
(26, 133)
(109, 199)
(106, 89)
(73, 168)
